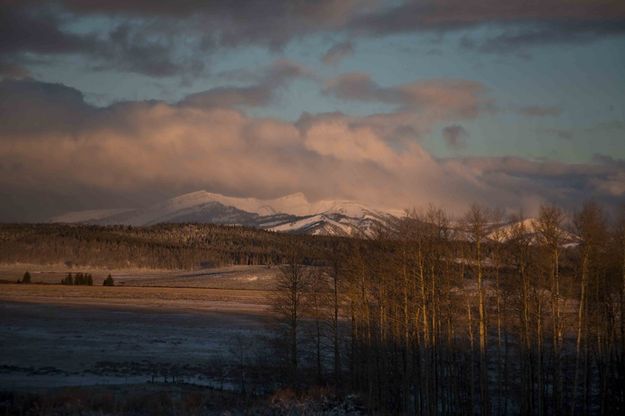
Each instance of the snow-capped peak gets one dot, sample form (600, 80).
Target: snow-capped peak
(289, 213)
(293, 204)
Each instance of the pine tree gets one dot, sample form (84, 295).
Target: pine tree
(68, 280)
(108, 281)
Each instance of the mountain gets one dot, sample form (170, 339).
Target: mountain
(288, 214)
(505, 231)
(291, 214)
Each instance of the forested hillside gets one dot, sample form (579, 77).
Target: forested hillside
(171, 246)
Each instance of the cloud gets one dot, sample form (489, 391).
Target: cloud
(518, 37)
(455, 136)
(337, 138)
(54, 146)
(338, 52)
(162, 39)
(229, 97)
(158, 38)
(267, 83)
(539, 111)
(567, 185)
(228, 23)
(36, 31)
(520, 22)
(451, 96)
(606, 126)
(30, 108)
(563, 134)
(13, 71)
(132, 48)
(33, 29)
(355, 86)
(416, 107)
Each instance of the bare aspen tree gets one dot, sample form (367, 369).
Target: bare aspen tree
(584, 223)
(620, 244)
(519, 247)
(472, 349)
(476, 222)
(540, 374)
(405, 233)
(550, 233)
(335, 271)
(419, 329)
(438, 240)
(291, 285)
(316, 304)
(498, 236)
(619, 239)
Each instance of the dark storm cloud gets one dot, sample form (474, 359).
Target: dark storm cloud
(537, 34)
(521, 22)
(163, 38)
(134, 51)
(231, 23)
(378, 17)
(30, 108)
(408, 16)
(37, 31)
(41, 31)
(159, 38)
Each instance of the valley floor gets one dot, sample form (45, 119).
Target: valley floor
(53, 335)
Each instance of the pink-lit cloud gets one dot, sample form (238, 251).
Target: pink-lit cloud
(153, 147)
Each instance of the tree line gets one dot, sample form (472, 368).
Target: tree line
(78, 279)
(442, 317)
(166, 246)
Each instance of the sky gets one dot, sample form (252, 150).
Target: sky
(395, 104)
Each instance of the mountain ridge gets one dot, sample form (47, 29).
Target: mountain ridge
(291, 213)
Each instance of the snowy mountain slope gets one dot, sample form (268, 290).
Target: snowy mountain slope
(504, 232)
(294, 204)
(291, 214)
(335, 225)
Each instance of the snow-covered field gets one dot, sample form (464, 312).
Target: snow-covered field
(54, 335)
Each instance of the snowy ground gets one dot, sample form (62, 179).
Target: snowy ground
(54, 335)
